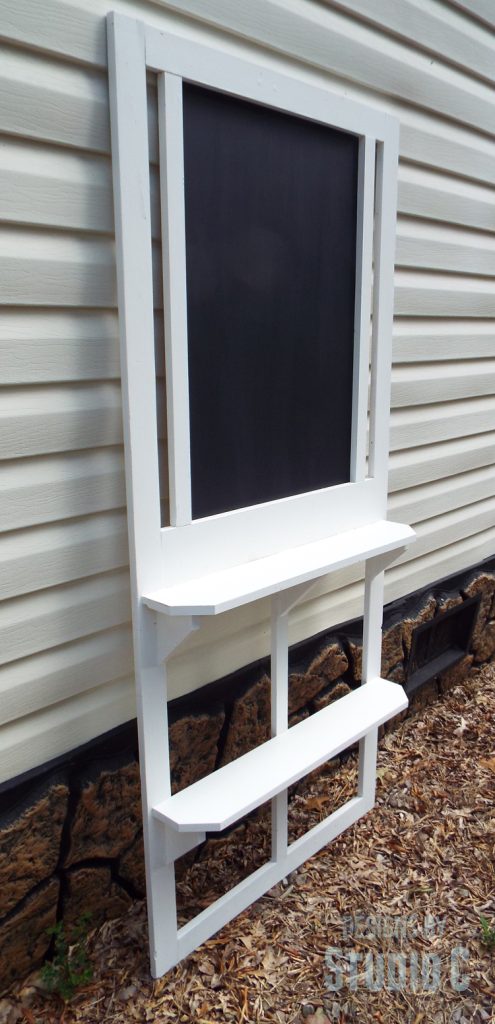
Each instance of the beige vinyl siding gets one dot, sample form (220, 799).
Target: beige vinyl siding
(65, 641)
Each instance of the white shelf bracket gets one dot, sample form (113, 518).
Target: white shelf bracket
(172, 631)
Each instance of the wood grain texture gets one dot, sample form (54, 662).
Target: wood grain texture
(42, 490)
(56, 616)
(421, 341)
(54, 419)
(438, 30)
(442, 461)
(33, 739)
(46, 556)
(34, 683)
(49, 346)
(442, 382)
(411, 427)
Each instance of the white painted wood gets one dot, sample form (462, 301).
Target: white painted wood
(175, 298)
(252, 887)
(228, 588)
(244, 535)
(383, 301)
(221, 798)
(279, 671)
(178, 843)
(128, 105)
(218, 70)
(362, 310)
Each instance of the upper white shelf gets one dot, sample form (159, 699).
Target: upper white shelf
(219, 591)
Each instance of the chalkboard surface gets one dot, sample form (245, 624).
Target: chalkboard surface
(270, 203)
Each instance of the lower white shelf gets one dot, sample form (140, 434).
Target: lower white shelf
(223, 797)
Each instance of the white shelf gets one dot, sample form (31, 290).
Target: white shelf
(229, 588)
(223, 797)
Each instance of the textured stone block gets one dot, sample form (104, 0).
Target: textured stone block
(330, 663)
(392, 651)
(447, 601)
(131, 866)
(327, 666)
(355, 649)
(30, 845)
(484, 644)
(302, 688)
(334, 692)
(107, 816)
(483, 584)
(397, 674)
(193, 744)
(92, 890)
(23, 935)
(250, 721)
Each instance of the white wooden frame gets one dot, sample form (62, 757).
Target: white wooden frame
(279, 549)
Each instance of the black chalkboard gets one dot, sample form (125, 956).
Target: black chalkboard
(270, 202)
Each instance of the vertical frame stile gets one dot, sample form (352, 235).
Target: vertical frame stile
(170, 127)
(129, 126)
(387, 155)
(372, 648)
(362, 309)
(279, 714)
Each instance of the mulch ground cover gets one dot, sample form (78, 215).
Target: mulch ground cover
(393, 922)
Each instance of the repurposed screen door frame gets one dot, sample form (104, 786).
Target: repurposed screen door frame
(280, 549)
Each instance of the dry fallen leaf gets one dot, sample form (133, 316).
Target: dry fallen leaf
(462, 727)
(268, 964)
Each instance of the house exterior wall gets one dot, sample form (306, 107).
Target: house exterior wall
(65, 640)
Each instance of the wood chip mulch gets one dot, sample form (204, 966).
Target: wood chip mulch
(404, 889)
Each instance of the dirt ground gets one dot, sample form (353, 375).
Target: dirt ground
(384, 924)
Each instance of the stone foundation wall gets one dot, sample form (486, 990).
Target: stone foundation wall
(70, 834)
